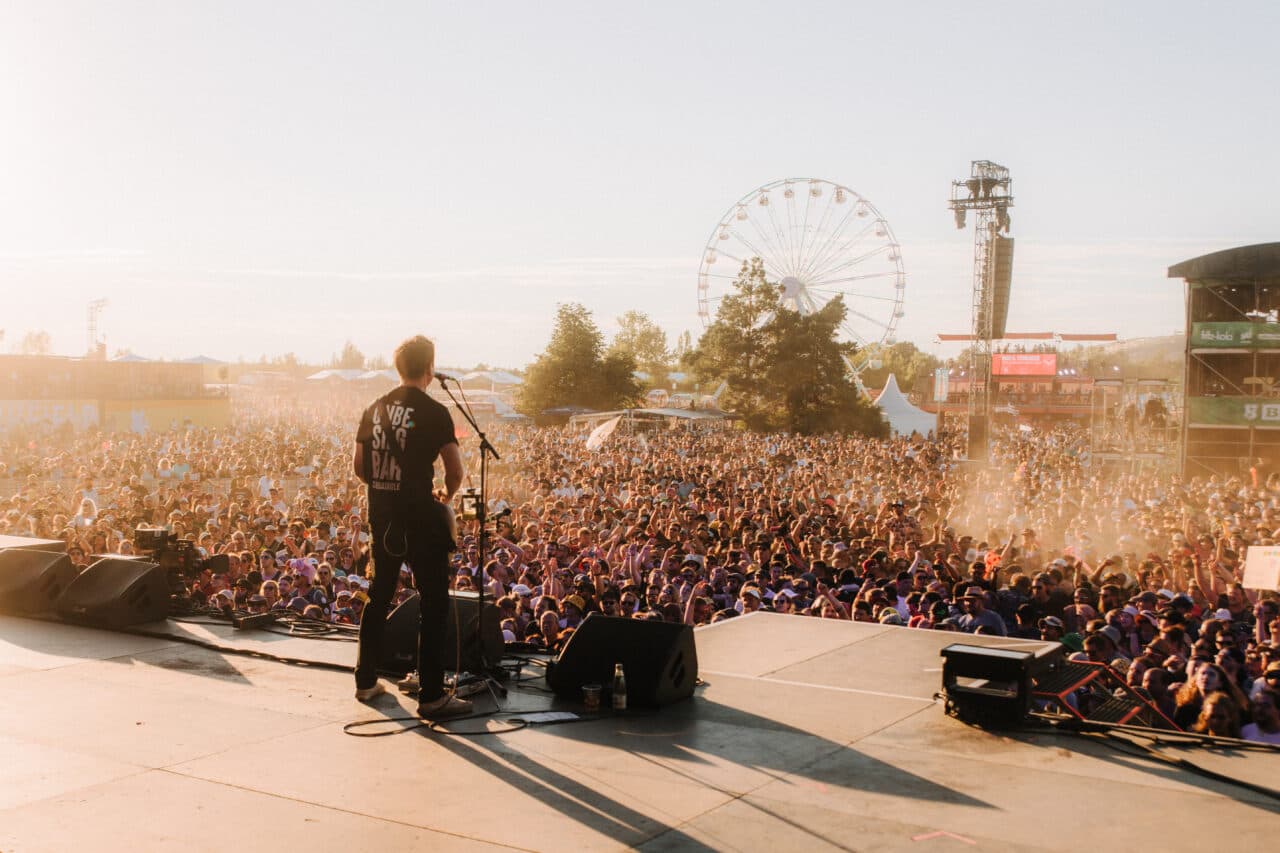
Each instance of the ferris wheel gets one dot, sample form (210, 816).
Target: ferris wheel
(817, 240)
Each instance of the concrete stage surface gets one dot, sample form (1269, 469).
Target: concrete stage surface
(808, 735)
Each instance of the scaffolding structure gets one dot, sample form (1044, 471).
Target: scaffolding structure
(1134, 423)
(987, 194)
(1231, 420)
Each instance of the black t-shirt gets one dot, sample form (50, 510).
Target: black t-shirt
(421, 427)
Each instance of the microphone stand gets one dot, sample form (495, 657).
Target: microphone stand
(482, 516)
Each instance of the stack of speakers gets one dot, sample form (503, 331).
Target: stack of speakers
(999, 279)
(37, 577)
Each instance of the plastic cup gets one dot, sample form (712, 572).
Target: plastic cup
(591, 696)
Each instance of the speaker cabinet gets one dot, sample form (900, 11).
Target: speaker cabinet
(31, 580)
(400, 643)
(55, 546)
(115, 592)
(659, 658)
(1000, 282)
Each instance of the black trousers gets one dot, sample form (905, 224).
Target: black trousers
(422, 547)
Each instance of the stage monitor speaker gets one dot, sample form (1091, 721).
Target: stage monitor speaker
(999, 280)
(978, 443)
(55, 546)
(659, 658)
(31, 580)
(400, 643)
(115, 592)
(992, 687)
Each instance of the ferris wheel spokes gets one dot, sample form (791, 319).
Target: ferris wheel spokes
(815, 250)
(837, 256)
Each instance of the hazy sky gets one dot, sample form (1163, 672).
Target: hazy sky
(263, 177)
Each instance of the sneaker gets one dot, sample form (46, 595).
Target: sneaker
(446, 707)
(368, 694)
(409, 684)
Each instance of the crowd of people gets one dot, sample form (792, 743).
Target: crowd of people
(1140, 570)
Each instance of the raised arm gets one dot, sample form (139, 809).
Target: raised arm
(451, 456)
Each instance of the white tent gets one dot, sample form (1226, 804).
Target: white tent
(346, 375)
(903, 417)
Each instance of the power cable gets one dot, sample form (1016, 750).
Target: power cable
(1111, 737)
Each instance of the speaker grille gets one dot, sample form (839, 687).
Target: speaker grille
(999, 279)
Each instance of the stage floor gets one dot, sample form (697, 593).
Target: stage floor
(807, 735)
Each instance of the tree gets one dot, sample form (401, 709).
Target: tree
(35, 343)
(574, 371)
(377, 362)
(684, 346)
(904, 360)
(349, 359)
(784, 370)
(646, 343)
(288, 361)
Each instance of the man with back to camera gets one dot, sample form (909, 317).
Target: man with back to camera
(400, 436)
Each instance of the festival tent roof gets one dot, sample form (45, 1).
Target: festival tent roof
(389, 373)
(335, 373)
(201, 359)
(903, 417)
(495, 377)
(131, 358)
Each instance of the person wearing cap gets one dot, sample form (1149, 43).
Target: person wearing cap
(574, 610)
(400, 436)
(976, 615)
(890, 616)
(1111, 639)
(1052, 629)
(749, 600)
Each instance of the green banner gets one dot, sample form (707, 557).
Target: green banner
(1235, 335)
(1233, 411)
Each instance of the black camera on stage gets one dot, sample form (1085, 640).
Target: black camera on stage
(178, 558)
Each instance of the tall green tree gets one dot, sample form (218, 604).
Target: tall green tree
(784, 370)
(646, 343)
(904, 360)
(349, 359)
(574, 371)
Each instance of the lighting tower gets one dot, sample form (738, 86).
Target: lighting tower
(987, 193)
(95, 311)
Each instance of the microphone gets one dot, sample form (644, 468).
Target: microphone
(441, 377)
